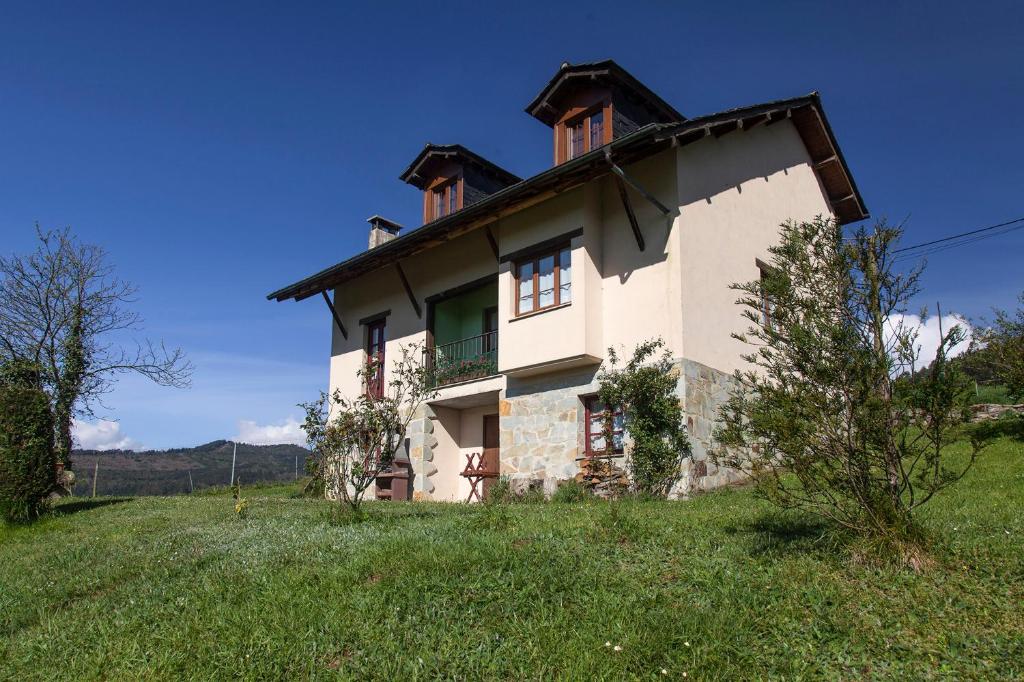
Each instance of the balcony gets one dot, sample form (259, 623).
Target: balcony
(462, 360)
(463, 334)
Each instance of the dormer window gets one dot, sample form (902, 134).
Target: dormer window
(445, 199)
(584, 133)
(452, 178)
(589, 105)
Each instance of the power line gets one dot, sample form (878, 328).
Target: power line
(956, 241)
(962, 234)
(952, 245)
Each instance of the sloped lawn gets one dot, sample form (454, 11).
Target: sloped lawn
(720, 587)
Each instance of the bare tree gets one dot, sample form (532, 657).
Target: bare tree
(63, 308)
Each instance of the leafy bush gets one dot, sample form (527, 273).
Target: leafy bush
(1000, 347)
(27, 458)
(818, 418)
(645, 389)
(354, 440)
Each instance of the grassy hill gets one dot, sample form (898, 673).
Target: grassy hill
(166, 472)
(721, 587)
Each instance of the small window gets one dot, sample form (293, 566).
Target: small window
(575, 138)
(445, 199)
(584, 134)
(375, 342)
(439, 203)
(544, 281)
(597, 414)
(597, 129)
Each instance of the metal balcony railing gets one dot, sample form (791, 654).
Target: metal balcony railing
(462, 360)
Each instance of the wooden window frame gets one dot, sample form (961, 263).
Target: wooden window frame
(450, 190)
(588, 414)
(574, 116)
(375, 384)
(534, 260)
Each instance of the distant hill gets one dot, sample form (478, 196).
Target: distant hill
(166, 472)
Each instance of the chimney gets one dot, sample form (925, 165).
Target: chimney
(382, 230)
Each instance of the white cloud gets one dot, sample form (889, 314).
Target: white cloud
(928, 334)
(102, 435)
(288, 431)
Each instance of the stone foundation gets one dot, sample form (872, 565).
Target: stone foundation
(542, 430)
(541, 425)
(704, 389)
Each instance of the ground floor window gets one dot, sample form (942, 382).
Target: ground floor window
(596, 415)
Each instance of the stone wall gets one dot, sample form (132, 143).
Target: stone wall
(542, 430)
(421, 442)
(704, 389)
(989, 411)
(541, 427)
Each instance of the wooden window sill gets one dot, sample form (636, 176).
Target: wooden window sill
(534, 313)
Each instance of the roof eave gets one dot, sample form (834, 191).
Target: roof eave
(605, 67)
(638, 144)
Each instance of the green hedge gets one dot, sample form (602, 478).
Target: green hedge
(27, 459)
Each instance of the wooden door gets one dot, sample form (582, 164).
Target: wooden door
(492, 461)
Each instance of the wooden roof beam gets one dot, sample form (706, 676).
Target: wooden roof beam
(633, 224)
(725, 128)
(754, 121)
(635, 185)
(824, 162)
(408, 290)
(491, 241)
(334, 314)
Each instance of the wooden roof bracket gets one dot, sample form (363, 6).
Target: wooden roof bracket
(634, 184)
(621, 180)
(408, 290)
(629, 213)
(491, 240)
(334, 314)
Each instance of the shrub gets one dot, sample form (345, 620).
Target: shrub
(354, 440)
(819, 418)
(1000, 347)
(571, 491)
(645, 389)
(27, 458)
(502, 492)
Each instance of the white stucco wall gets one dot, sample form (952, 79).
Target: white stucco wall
(734, 193)
(464, 259)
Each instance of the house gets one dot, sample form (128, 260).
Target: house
(516, 287)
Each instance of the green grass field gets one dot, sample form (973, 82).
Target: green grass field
(997, 394)
(720, 587)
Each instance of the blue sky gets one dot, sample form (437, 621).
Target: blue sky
(219, 151)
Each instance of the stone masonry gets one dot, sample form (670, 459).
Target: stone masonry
(541, 425)
(703, 389)
(542, 430)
